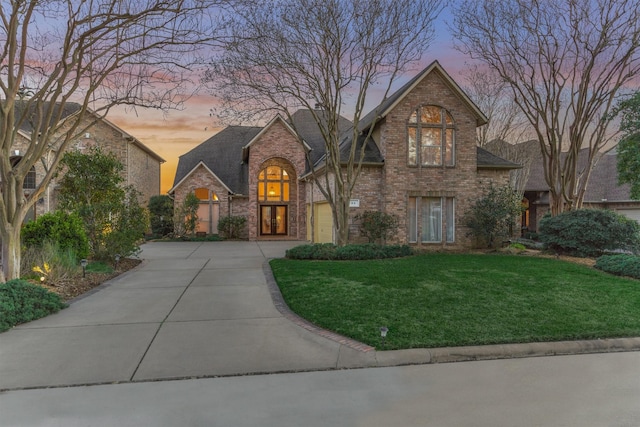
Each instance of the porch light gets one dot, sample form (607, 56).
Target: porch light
(83, 263)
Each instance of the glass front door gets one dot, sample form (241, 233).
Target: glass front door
(273, 220)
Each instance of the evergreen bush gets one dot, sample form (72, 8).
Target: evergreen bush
(589, 232)
(375, 225)
(231, 227)
(329, 251)
(21, 301)
(620, 265)
(66, 229)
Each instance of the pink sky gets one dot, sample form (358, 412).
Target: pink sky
(173, 134)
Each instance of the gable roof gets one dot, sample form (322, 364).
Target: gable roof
(69, 109)
(389, 103)
(221, 153)
(277, 118)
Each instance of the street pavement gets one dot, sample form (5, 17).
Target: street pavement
(593, 390)
(151, 348)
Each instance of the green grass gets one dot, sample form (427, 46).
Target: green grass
(437, 300)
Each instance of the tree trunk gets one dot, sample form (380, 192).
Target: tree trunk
(10, 254)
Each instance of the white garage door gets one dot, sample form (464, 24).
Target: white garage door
(630, 213)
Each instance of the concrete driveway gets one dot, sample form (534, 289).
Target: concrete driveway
(192, 309)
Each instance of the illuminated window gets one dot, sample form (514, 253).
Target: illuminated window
(273, 185)
(204, 194)
(431, 137)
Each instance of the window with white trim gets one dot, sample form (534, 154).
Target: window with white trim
(431, 137)
(430, 218)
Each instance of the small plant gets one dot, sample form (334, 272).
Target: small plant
(50, 262)
(231, 227)
(21, 301)
(186, 217)
(376, 225)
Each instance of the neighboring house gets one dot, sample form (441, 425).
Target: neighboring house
(141, 164)
(603, 190)
(421, 165)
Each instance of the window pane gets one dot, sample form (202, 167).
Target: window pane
(285, 175)
(273, 191)
(413, 118)
(413, 220)
(450, 219)
(431, 114)
(448, 119)
(430, 156)
(285, 192)
(261, 176)
(202, 193)
(273, 173)
(413, 153)
(431, 220)
(449, 151)
(261, 194)
(431, 136)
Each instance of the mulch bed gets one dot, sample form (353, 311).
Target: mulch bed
(72, 287)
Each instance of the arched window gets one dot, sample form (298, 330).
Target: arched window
(431, 137)
(273, 185)
(29, 182)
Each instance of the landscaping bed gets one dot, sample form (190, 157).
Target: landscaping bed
(436, 300)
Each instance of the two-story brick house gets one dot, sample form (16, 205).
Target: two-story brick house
(421, 164)
(141, 164)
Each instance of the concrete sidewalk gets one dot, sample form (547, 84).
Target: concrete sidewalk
(195, 310)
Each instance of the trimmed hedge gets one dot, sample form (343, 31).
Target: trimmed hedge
(21, 302)
(329, 251)
(589, 232)
(620, 265)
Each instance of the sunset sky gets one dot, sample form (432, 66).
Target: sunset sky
(177, 132)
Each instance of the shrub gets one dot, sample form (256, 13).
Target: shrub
(231, 227)
(161, 215)
(493, 216)
(185, 220)
(50, 262)
(328, 251)
(67, 230)
(21, 301)
(375, 225)
(620, 265)
(589, 232)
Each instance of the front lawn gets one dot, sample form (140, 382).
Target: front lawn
(437, 300)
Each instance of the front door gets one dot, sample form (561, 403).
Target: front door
(273, 220)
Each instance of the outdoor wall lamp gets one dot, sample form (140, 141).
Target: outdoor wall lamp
(83, 263)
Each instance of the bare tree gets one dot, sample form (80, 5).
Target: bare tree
(491, 94)
(564, 62)
(291, 54)
(523, 153)
(65, 63)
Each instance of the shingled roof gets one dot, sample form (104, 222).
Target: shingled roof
(222, 154)
(487, 160)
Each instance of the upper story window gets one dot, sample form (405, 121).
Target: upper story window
(431, 137)
(273, 185)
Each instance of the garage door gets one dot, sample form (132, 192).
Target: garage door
(631, 213)
(323, 223)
